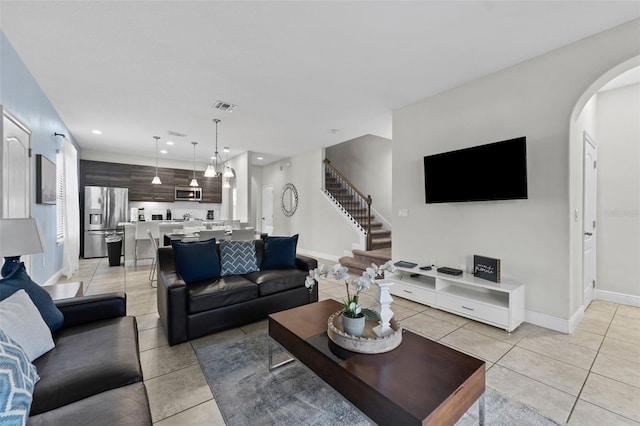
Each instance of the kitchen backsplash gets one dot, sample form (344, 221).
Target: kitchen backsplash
(178, 209)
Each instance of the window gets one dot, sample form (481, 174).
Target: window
(60, 197)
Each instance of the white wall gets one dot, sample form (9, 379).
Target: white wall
(618, 215)
(242, 186)
(323, 231)
(255, 204)
(367, 161)
(535, 99)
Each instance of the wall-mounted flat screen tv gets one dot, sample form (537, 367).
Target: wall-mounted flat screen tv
(496, 171)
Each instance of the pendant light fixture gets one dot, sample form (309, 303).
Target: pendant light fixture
(194, 182)
(156, 179)
(226, 184)
(211, 168)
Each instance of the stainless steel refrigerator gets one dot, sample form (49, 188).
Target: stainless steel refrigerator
(104, 208)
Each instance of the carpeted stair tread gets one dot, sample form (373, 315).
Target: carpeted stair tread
(372, 256)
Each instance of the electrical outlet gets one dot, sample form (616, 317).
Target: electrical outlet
(403, 212)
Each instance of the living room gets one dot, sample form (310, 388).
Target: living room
(539, 241)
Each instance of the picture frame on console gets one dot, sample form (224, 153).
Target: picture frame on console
(487, 268)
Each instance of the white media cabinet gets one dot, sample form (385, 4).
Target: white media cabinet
(498, 304)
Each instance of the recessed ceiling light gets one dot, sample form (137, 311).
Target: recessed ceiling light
(163, 151)
(96, 132)
(169, 142)
(225, 149)
(259, 158)
(334, 131)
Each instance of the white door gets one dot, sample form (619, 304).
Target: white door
(16, 173)
(267, 209)
(589, 220)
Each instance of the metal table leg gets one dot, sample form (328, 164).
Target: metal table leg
(280, 364)
(481, 410)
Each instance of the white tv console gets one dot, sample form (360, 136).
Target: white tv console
(498, 304)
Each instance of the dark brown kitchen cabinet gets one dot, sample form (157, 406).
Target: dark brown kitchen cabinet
(138, 180)
(211, 189)
(94, 173)
(165, 192)
(140, 187)
(183, 177)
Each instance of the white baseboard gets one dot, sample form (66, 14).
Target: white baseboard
(54, 278)
(547, 321)
(623, 299)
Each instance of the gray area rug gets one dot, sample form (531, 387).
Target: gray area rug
(248, 394)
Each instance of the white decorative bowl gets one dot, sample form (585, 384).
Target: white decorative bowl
(369, 342)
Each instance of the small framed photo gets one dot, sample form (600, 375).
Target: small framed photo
(45, 180)
(486, 268)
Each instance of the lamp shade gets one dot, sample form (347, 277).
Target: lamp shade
(20, 236)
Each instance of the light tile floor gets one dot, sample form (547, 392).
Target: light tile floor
(591, 377)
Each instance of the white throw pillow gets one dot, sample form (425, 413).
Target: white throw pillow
(22, 321)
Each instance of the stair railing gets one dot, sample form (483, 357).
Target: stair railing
(353, 202)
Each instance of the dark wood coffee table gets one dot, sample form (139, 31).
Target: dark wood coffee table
(420, 382)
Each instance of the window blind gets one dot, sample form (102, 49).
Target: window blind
(60, 197)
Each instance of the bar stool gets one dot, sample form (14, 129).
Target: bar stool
(141, 235)
(154, 264)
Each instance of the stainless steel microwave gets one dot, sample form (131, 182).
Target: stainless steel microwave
(188, 194)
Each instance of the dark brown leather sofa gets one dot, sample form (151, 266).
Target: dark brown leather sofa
(199, 308)
(93, 375)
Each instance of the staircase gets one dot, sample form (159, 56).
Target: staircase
(357, 207)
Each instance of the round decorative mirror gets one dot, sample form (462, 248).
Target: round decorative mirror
(289, 199)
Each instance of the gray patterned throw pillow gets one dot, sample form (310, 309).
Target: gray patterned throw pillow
(238, 257)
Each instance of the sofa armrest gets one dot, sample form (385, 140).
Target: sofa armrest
(172, 298)
(306, 263)
(84, 309)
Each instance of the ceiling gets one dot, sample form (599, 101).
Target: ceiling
(303, 74)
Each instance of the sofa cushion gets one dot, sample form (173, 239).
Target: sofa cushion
(277, 280)
(87, 359)
(17, 378)
(238, 257)
(197, 260)
(280, 253)
(20, 319)
(206, 295)
(126, 405)
(18, 279)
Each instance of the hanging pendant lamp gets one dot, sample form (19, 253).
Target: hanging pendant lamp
(156, 179)
(227, 170)
(194, 182)
(211, 168)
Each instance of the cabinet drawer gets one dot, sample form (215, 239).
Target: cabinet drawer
(411, 292)
(472, 309)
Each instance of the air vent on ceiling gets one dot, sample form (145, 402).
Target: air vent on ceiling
(224, 106)
(176, 134)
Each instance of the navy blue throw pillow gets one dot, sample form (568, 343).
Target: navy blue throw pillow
(18, 279)
(196, 260)
(279, 253)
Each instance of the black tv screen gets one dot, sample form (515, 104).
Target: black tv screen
(496, 171)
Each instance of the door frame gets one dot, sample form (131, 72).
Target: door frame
(262, 209)
(588, 294)
(6, 115)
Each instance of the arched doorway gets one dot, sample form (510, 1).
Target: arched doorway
(584, 121)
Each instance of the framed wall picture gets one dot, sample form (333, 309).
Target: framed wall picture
(45, 180)
(486, 268)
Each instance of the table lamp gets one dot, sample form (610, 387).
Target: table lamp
(19, 236)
